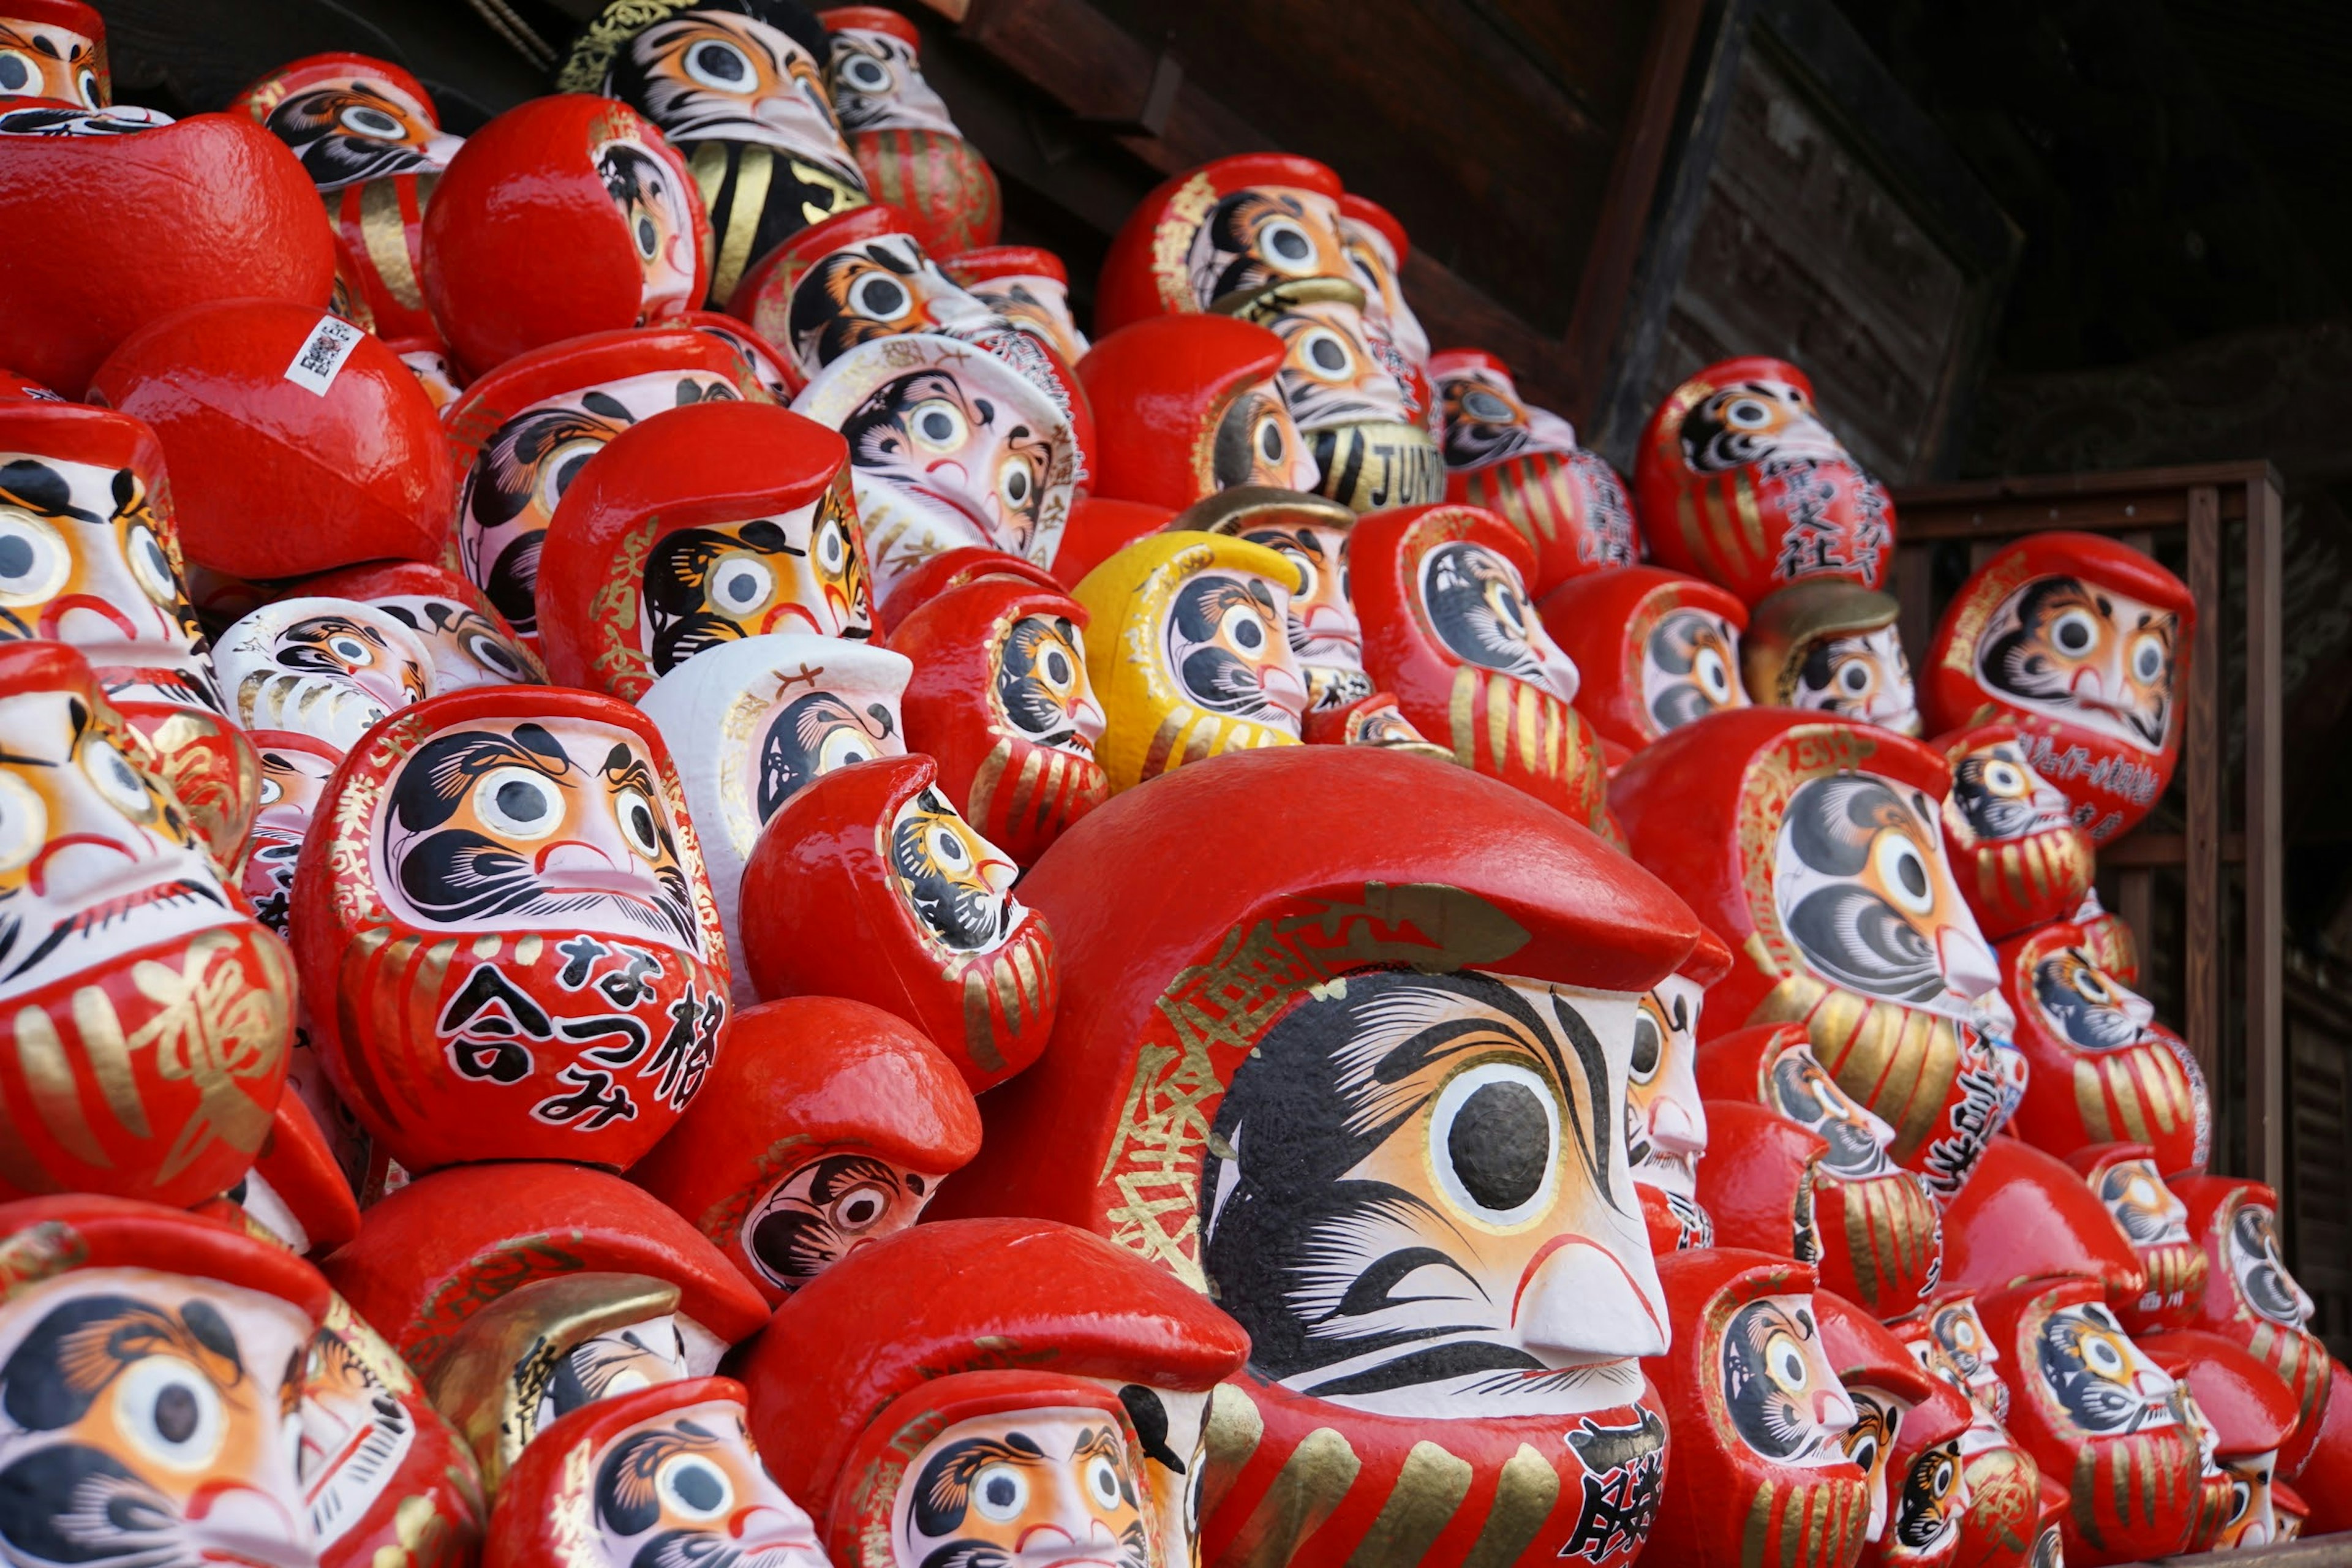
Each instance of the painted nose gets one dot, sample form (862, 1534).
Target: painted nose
(1578, 1301)
(1087, 718)
(1280, 679)
(572, 855)
(1676, 1127)
(1833, 1410)
(77, 865)
(1559, 671)
(999, 874)
(245, 1522)
(1968, 967)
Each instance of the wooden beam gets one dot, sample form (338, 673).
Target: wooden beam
(2145, 849)
(2265, 866)
(2201, 956)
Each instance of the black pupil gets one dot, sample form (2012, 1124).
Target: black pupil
(860, 1210)
(646, 235)
(14, 72)
(1248, 633)
(380, 125)
(722, 63)
(743, 587)
(1914, 876)
(1058, 668)
(868, 74)
(641, 823)
(571, 471)
(950, 850)
(1016, 484)
(884, 297)
(915, 1185)
(175, 1414)
(1499, 1145)
(1000, 1490)
(938, 426)
(521, 802)
(1328, 356)
(1645, 1046)
(1269, 441)
(700, 1489)
(15, 554)
(1288, 244)
(1486, 405)
(2073, 636)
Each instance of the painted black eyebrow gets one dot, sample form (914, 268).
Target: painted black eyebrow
(629, 770)
(23, 762)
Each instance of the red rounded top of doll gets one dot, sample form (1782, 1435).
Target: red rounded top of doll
(125, 938)
(1449, 626)
(970, 266)
(2129, 1183)
(270, 409)
(919, 585)
(702, 524)
(55, 1235)
(353, 119)
(2021, 860)
(562, 215)
(2024, 1217)
(1370, 213)
(2102, 1068)
(1654, 649)
(917, 914)
(508, 876)
(1904, 1438)
(433, 1253)
(245, 222)
(1188, 407)
(268, 91)
(1758, 1412)
(856, 276)
(825, 1127)
(2082, 643)
(1000, 699)
(470, 642)
(1227, 230)
(2252, 1411)
(2089, 1405)
(572, 365)
(872, 19)
(929, 1313)
(1741, 482)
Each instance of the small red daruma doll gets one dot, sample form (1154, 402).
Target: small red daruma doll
(1448, 626)
(2082, 643)
(2156, 1222)
(1759, 1420)
(2103, 1069)
(905, 143)
(147, 1014)
(56, 51)
(562, 215)
(828, 1125)
(1189, 407)
(1654, 649)
(1741, 482)
(2244, 1414)
(503, 888)
(1509, 457)
(1906, 1438)
(1000, 698)
(2251, 1298)
(2019, 857)
(664, 1474)
(702, 525)
(1026, 286)
(868, 885)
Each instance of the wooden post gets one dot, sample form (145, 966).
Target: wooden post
(2266, 1151)
(2201, 968)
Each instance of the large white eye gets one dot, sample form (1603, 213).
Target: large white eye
(2140, 1192)
(1286, 246)
(1866, 1454)
(352, 650)
(648, 235)
(150, 567)
(18, 70)
(1016, 483)
(2075, 633)
(494, 654)
(1273, 446)
(1903, 872)
(561, 466)
(937, 425)
(1494, 1142)
(362, 120)
(171, 1412)
(34, 559)
(691, 1487)
(1856, 678)
(2092, 988)
(860, 1207)
(740, 584)
(2004, 778)
(833, 548)
(87, 84)
(519, 802)
(2100, 1354)
(1488, 408)
(24, 822)
(720, 65)
(999, 1492)
(880, 296)
(1784, 1364)
(1308, 576)
(638, 823)
(2148, 656)
(124, 787)
(1325, 353)
(1713, 676)
(1102, 1482)
(1242, 628)
(948, 848)
(867, 74)
(842, 747)
(1748, 413)
(1649, 1048)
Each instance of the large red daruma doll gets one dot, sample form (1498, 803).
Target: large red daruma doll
(1761, 1419)
(2103, 1070)
(2082, 643)
(1812, 844)
(1204, 1108)
(1449, 627)
(1221, 235)
(562, 215)
(1741, 482)
(502, 911)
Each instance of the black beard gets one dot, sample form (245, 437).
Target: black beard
(459, 876)
(1856, 939)
(72, 1504)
